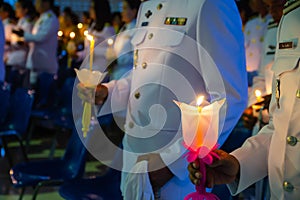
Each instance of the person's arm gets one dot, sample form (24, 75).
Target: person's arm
(220, 34)
(252, 170)
(48, 27)
(118, 95)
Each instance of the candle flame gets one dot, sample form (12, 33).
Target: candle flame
(86, 32)
(89, 37)
(200, 100)
(72, 35)
(60, 33)
(110, 41)
(79, 25)
(257, 93)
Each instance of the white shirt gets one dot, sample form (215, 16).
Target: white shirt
(18, 54)
(43, 44)
(263, 81)
(8, 26)
(254, 33)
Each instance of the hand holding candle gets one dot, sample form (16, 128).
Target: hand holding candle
(90, 79)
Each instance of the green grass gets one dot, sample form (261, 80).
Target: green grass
(41, 196)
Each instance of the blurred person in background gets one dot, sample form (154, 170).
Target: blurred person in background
(100, 29)
(254, 33)
(7, 15)
(122, 47)
(42, 56)
(85, 21)
(245, 11)
(263, 82)
(117, 21)
(26, 14)
(70, 22)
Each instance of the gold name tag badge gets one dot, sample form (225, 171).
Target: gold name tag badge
(179, 21)
(289, 44)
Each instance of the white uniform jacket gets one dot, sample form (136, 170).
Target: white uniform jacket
(263, 81)
(18, 53)
(275, 151)
(175, 40)
(8, 27)
(254, 33)
(43, 44)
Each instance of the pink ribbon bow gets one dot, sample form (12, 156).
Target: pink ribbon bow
(192, 156)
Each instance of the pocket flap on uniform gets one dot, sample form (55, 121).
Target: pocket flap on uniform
(169, 37)
(285, 63)
(139, 36)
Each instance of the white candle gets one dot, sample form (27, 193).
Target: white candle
(92, 43)
(200, 128)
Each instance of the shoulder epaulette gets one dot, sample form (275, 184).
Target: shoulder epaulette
(290, 6)
(272, 24)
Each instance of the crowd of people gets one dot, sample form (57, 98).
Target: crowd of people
(252, 45)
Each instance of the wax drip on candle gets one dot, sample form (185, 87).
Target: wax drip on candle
(92, 43)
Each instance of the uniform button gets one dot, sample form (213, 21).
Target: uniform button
(287, 186)
(148, 13)
(150, 36)
(130, 125)
(298, 94)
(291, 140)
(137, 95)
(159, 6)
(144, 65)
